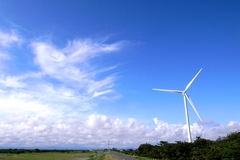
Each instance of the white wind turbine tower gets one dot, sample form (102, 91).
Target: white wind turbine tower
(185, 96)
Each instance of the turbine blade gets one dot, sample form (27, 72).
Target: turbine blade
(190, 101)
(168, 90)
(189, 84)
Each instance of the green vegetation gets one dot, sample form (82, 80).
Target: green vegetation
(19, 151)
(44, 155)
(102, 157)
(223, 148)
(98, 156)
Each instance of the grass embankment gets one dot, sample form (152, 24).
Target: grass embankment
(45, 156)
(104, 156)
(98, 156)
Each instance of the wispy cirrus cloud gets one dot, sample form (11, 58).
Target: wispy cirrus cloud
(66, 83)
(19, 81)
(4, 56)
(71, 64)
(8, 38)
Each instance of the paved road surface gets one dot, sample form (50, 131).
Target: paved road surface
(120, 156)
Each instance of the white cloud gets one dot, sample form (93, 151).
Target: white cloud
(71, 64)
(11, 81)
(178, 131)
(34, 93)
(19, 81)
(54, 106)
(4, 56)
(93, 132)
(97, 94)
(105, 84)
(98, 121)
(6, 39)
(15, 103)
(43, 99)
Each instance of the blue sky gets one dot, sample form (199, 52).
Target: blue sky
(78, 73)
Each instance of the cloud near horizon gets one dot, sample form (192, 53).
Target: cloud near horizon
(26, 130)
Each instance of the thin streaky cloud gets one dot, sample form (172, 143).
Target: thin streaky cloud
(97, 94)
(82, 50)
(4, 56)
(107, 69)
(18, 81)
(6, 39)
(73, 63)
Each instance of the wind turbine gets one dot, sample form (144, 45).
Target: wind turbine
(185, 96)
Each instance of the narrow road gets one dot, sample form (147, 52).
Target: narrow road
(120, 156)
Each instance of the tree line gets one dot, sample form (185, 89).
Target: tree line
(19, 151)
(227, 147)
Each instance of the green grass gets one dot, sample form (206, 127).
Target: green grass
(102, 157)
(45, 156)
(98, 157)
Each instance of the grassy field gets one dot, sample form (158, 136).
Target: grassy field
(46, 156)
